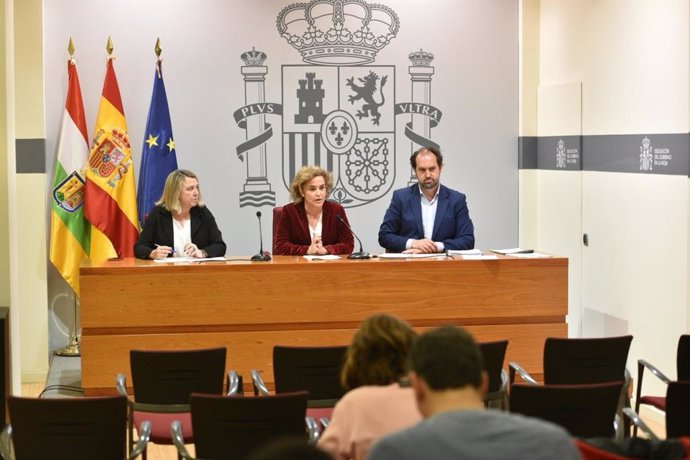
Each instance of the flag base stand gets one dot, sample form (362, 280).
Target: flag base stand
(73, 349)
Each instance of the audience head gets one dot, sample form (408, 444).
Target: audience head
(379, 352)
(304, 176)
(447, 361)
(426, 150)
(289, 448)
(174, 186)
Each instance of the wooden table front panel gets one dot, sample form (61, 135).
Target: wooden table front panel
(249, 307)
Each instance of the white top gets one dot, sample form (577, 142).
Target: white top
(182, 235)
(316, 230)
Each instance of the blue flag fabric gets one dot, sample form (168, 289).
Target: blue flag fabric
(158, 157)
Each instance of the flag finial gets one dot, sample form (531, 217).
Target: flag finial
(70, 48)
(158, 48)
(109, 46)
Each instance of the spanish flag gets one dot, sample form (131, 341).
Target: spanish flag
(70, 233)
(111, 202)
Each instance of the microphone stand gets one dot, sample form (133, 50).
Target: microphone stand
(261, 256)
(359, 255)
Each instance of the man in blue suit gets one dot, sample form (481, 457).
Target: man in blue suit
(427, 217)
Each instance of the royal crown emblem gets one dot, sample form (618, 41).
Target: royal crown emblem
(340, 32)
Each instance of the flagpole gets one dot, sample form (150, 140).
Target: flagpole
(73, 349)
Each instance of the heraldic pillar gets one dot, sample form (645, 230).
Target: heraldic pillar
(420, 73)
(257, 189)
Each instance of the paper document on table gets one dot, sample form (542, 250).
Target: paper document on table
(400, 255)
(175, 260)
(480, 257)
(464, 252)
(512, 251)
(322, 257)
(531, 255)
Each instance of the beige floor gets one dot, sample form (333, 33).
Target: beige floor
(159, 452)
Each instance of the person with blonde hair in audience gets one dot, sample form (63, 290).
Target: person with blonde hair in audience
(312, 224)
(378, 400)
(449, 383)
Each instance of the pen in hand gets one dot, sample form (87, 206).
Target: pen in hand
(167, 249)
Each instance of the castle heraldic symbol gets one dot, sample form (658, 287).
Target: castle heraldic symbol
(338, 108)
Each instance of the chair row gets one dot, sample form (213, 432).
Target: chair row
(589, 372)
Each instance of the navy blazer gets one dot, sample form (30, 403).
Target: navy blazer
(159, 230)
(403, 220)
(294, 238)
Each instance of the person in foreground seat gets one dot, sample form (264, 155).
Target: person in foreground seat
(311, 224)
(376, 403)
(427, 217)
(449, 383)
(180, 224)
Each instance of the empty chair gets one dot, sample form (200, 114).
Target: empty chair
(682, 372)
(230, 427)
(677, 406)
(584, 361)
(584, 410)
(312, 369)
(70, 429)
(588, 360)
(494, 354)
(162, 382)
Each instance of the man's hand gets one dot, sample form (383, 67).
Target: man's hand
(424, 246)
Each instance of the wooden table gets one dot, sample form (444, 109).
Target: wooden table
(251, 306)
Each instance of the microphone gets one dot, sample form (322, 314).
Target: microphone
(261, 256)
(359, 254)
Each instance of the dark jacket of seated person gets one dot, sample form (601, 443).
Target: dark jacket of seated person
(403, 220)
(158, 230)
(293, 236)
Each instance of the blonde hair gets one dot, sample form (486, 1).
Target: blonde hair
(170, 200)
(304, 175)
(379, 352)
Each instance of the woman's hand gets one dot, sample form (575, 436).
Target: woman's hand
(161, 252)
(190, 250)
(316, 247)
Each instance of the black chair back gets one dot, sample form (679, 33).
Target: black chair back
(678, 409)
(230, 427)
(589, 360)
(683, 358)
(169, 377)
(494, 354)
(584, 410)
(69, 428)
(312, 369)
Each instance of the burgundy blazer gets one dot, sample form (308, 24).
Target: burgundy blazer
(293, 236)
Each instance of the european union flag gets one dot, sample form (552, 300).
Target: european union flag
(158, 158)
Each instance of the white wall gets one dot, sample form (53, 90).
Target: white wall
(632, 58)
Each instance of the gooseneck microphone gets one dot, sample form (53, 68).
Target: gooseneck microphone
(261, 256)
(359, 254)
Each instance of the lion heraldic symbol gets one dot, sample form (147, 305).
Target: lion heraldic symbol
(366, 92)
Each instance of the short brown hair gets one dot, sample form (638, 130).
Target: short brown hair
(379, 352)
(304, 175)
(448, 358)
(170, 199)
(434, 150)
